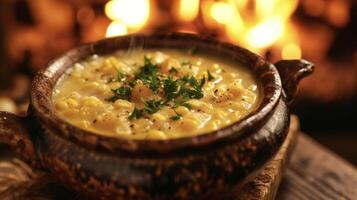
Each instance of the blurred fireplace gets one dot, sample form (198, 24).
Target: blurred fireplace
(322, 31)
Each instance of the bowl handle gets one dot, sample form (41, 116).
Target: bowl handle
(291, 72)
(15, 133)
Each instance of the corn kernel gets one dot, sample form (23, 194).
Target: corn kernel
(232, 75)
(61, 105)
(182, 110)
(189, 124)
(156, 134)
(220, 114)
(120, 103)
(214, 67)
(72, 103)
(92, 102)
(236, 91)
(84, 123)
(159, 117)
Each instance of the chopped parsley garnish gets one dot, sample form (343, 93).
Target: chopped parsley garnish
(123, 92)
(182, 102)
(173, 70)
(170, 88)
(148, 74)
(203, 81)
(177, 116)
(152, 106)
(210, 77)
(193, 92)
(175, 92)
(191, 80)
(136, 114)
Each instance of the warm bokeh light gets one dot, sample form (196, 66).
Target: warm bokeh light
(337, 13)
(188, 9)
(235, 29)
(85, 15)
(268, 23)
(221, 12)
(205, 9)
(291, 51)
(314, 8)
(132, 13)
(264, 8)
(258, 30)
(115, 29)
(242, 4)
(265, 33)
(284, 9)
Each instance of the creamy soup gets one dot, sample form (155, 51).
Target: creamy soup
(155, 94)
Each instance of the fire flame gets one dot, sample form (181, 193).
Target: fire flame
(256, 24)
(126, 15)
(221, 12)
(265, 26)
(265, 34)
(188, 9)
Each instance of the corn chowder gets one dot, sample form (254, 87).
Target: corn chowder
(155, 94)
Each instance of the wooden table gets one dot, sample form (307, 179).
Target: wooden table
(315, 172)
(312, 173)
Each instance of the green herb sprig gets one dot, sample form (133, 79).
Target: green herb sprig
(173, 70)
(209, 75)
(123, 92)
(152, 106)
(149, 74)
(176, 117)
(176, 91)
(136, 114)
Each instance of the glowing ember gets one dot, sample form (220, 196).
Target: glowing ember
(337, 13)
(291, 51)
(188, 9)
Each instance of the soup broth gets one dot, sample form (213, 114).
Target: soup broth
(155, 94)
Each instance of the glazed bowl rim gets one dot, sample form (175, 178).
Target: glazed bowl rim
(43, 109)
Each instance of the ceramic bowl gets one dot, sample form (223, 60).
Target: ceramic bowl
(206, 166)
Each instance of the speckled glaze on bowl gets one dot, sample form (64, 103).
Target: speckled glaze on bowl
(208, 166)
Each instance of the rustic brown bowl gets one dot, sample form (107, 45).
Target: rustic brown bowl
(211, 165)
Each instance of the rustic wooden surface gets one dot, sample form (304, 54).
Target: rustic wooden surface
(313, 172)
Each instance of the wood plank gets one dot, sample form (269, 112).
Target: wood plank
(315, 172)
